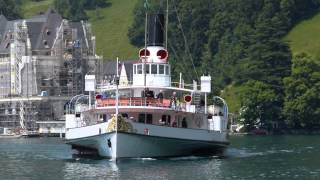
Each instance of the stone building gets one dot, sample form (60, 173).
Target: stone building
(43, 61)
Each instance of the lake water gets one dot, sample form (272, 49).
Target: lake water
(249, 157)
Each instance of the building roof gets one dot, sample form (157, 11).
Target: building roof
(42, 31)
(110, 70)
(3, 31)
(3, 22)
(34, 30)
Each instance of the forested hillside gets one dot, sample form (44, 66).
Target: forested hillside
(240, 44)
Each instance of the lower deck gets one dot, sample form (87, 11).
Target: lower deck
(147, 115)
(146, 129)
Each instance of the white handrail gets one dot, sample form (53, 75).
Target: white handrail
(69, 105)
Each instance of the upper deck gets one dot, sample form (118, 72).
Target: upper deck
(151, 97)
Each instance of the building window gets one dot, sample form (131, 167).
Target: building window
(153, 69)
(161, 69)
(48, 32)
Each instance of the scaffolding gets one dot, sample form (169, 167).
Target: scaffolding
(19, 50)
(43, 80)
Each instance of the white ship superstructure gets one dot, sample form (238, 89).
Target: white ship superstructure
(150, 116)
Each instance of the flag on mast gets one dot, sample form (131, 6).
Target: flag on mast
(146, 5)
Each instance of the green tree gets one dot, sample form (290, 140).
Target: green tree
(302, 101)
(63, 7)
(136, 31)
(76, 10)
(10, 9)
(259, 105)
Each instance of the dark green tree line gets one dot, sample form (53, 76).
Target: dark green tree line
(10, 9)
(237, 42)
(302, 101)
(75, 9)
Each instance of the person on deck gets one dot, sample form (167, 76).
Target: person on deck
(160, 97)
(173, 100)
(150, 94)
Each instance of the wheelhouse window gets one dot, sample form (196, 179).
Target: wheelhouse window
(134, 69)
(167, 70)
(161, 69)
(154, 69)
(147, 69)
(139, 68)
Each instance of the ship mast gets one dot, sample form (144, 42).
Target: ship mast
(145, 46)
(117, 94)
(117, 105)
(146, 5)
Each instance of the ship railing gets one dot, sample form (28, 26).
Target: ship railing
(185, 86)
(72, 104)
(149, 102)
(134, 101)
(107, 85)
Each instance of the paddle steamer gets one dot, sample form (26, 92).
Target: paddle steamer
(150, 116)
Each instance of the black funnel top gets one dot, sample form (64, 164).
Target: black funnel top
(155, 29)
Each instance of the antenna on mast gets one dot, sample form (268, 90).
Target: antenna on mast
(167, 19)
(146, 6)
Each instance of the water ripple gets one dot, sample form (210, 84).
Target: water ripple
(288, 157)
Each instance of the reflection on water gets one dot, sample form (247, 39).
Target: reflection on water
(269, 157)
(143, 168)
(85, 169)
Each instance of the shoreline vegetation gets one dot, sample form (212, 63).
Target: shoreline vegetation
(279, 132)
